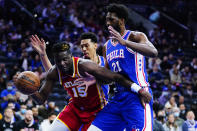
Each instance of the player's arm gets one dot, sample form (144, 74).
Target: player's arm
(105, 75)
(40, 47)
(142, 44)
(41, 96)
(137, 42)
(104, 55)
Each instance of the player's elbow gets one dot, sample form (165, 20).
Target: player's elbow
(40, 102)
(155, 53)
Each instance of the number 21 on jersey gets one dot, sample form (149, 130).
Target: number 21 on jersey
(116, 66)
(79, 91)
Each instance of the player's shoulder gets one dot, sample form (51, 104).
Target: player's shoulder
(137, 33)
(137, 36)
(82, 61)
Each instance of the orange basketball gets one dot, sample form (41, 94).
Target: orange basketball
(27, 82)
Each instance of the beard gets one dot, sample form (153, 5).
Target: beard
(116, 27)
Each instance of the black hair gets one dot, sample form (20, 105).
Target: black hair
(61, 46)
(52, 113)
(89, 35)
(120, 10)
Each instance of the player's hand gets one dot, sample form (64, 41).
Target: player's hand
(116, 35)
(38, 45)
(145, 97)
(87, 81)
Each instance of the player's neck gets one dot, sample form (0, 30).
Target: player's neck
(95, 58)
(122, 30)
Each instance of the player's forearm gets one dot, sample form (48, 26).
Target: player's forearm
(37, 97)
(142, 48)
(45, 61)
(127, 83)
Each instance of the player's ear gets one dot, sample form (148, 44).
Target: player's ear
(121, 21)
(95, 45)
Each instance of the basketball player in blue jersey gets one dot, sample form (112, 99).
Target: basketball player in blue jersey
(88, 47)
(125, 53)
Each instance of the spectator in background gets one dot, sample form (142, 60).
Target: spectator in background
(10, 102)
(3, 71)
(156, 77)
(9, 90)
(171, 59)
(28, 123)
(182, 111)
(188, 92)
(186, 75)
(175, 77)
(45, 125)
(165, 65)
(181, 100)
(171, 103)
(39, 72)
(35, 114)
(170, 124)
(178, 121)
(64, 35)
(52, 107)
(166, 86)
(10, 53)
(194, 64)
(21, 113)
(190, 124)
(157, 126)
(36, 62)
(7, 123)
(161, 116)
(24, 62)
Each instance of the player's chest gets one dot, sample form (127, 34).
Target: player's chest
(70, 82)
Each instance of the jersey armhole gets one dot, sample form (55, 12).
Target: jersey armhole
(77, 69)
(129, 49)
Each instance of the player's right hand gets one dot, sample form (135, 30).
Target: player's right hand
(87, 81)
(145, 97)
(38, 45)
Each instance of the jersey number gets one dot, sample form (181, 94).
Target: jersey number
(79, 91)
(116, 66)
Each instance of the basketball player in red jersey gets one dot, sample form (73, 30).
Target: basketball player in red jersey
(86, 113)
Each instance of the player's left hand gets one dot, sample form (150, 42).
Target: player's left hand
(87, 81)
(116, 35)
(145, 97)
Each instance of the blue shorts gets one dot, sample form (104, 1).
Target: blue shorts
(125, 111)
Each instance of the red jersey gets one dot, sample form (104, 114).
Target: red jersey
(91, 100)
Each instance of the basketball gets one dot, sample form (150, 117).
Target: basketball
(27, 82)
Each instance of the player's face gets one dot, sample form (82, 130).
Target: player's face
(113, 20)
(88, 48)
(63, 60)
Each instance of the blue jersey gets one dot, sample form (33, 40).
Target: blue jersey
(127, 62)
(104, 87)
(125, 110)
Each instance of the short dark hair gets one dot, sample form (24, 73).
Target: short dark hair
(120, 10)
(61, 46)
(89, 35)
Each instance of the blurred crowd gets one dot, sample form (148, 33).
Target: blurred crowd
(172, 75)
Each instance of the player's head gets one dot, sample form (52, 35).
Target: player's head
(62, 56)
(117, 15)
(88, 44)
